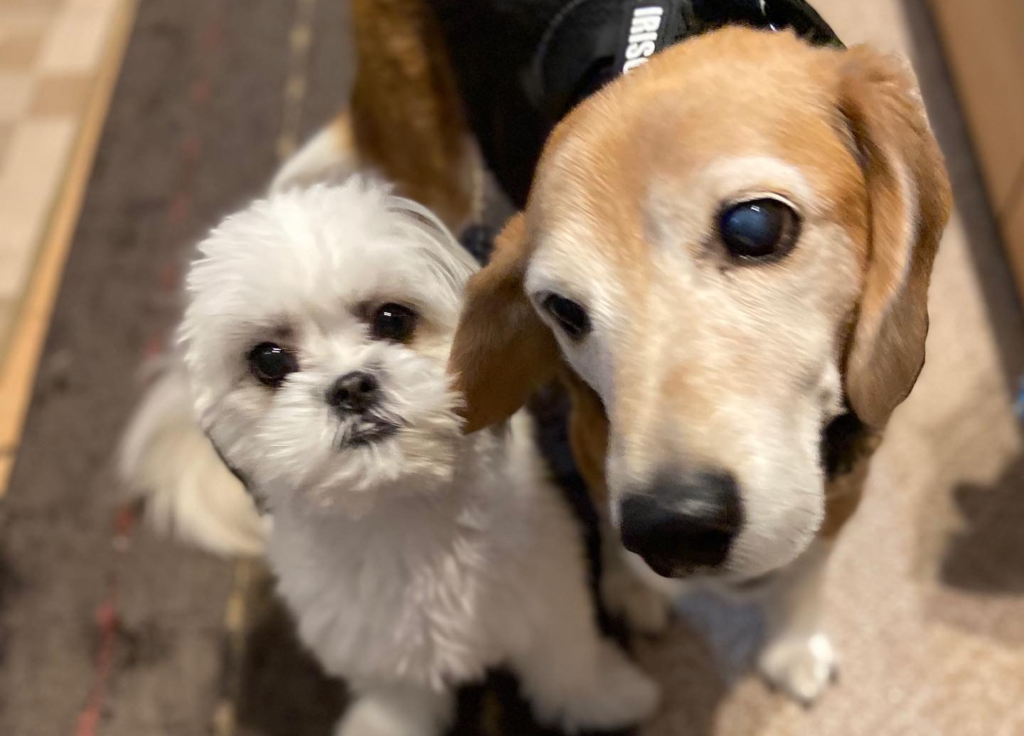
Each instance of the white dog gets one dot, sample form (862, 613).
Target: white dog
(413, 558)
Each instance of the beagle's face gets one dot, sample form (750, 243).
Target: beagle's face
(698, 242)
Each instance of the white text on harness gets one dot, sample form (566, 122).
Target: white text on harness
(643, 36)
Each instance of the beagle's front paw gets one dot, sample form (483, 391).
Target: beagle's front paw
(800, 667)
(627, 597)
(616, 694)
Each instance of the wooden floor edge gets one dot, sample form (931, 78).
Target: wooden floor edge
(28, 334)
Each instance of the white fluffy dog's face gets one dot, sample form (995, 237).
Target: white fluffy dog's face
(317, 332)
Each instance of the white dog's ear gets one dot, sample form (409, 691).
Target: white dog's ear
(909, 201)
(451, 262)
(502, 350)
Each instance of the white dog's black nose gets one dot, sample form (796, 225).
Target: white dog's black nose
(681, 524)
(355, 393)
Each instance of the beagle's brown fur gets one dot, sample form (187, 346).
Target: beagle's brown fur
(406, 119)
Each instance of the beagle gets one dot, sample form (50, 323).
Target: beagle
(724, 256)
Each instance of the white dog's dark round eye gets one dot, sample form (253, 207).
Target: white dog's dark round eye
(270, 363)
(570, 315)
(395, 322)
(758, 229)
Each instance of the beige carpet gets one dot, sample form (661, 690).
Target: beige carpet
(926, 596)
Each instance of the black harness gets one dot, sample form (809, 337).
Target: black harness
(522, 65)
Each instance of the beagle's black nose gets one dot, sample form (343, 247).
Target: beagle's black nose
(356, 392)
(681, 523)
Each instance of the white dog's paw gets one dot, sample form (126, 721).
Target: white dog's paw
(361, 722)
(394, 716)
(619, 695)
(642, 608)
(801, 668)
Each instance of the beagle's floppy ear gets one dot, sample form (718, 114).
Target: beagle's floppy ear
(502, 350)
(909, 201)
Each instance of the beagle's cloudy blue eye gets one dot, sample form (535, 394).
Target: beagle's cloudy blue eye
(760, 228)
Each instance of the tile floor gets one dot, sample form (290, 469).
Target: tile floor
(58, 63)
(51, 52)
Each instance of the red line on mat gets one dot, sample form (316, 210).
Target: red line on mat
(108, 618)
(107, 622)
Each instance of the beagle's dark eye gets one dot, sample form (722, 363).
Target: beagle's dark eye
(760, 228)
(270, 363)
(570, 315)
(394, 322)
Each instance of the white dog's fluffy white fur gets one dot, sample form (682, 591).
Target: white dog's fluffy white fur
(412, 557)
